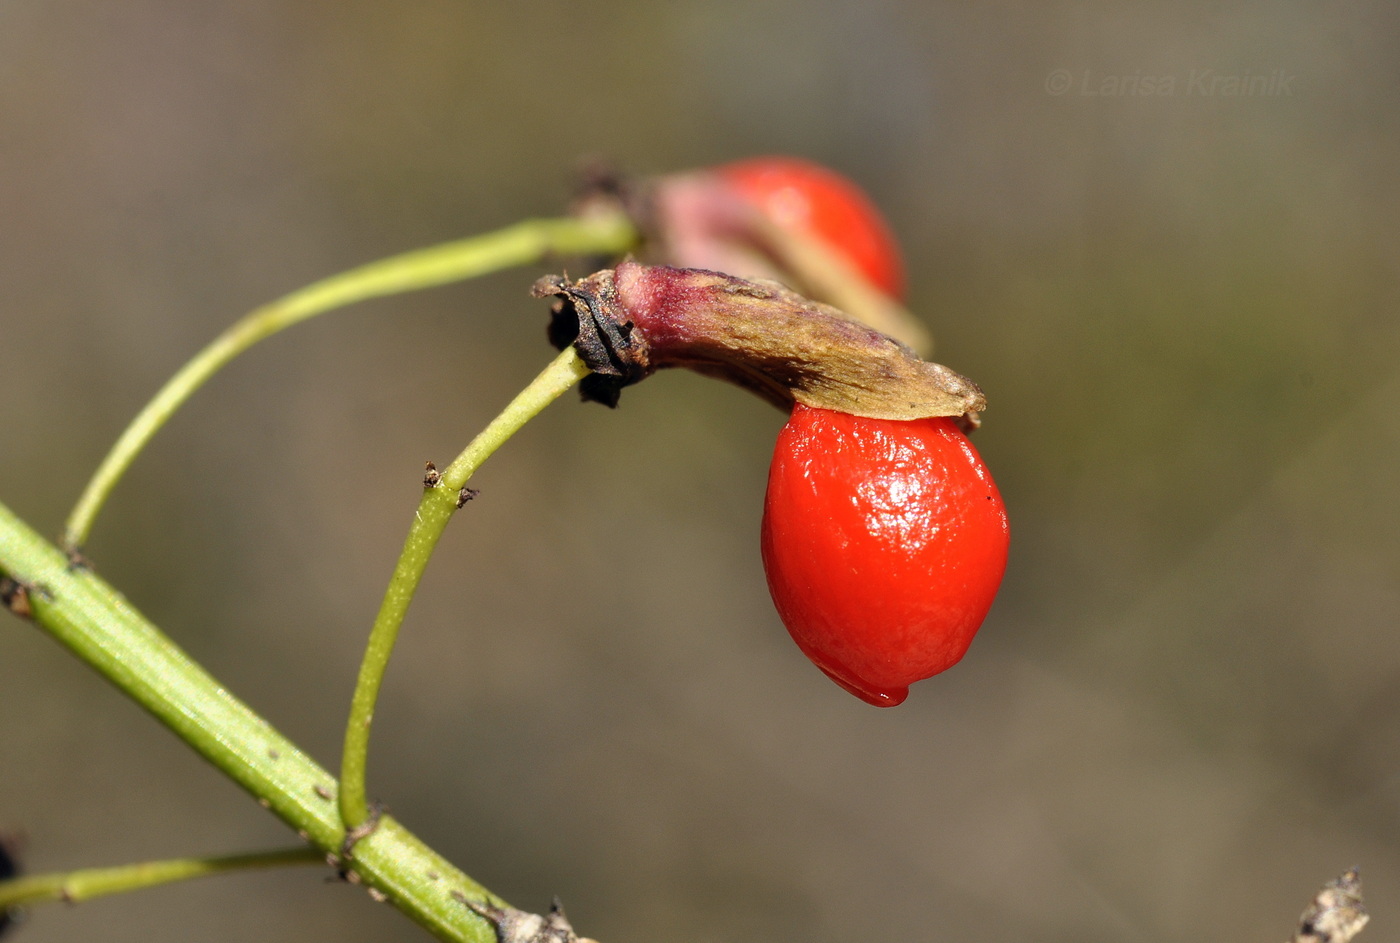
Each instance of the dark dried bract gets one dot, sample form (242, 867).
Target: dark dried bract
(14, 596)
(587, 315)
(9, 868)
(630, 321)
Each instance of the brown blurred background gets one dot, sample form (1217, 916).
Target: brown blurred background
(1183, 714)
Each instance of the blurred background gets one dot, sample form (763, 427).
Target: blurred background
(1180, 719)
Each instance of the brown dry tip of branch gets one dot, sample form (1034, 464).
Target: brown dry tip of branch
(1336, 914)
(519, 926)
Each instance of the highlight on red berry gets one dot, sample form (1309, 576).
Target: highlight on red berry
(884, 542)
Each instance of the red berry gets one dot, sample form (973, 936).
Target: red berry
(884, 542)
(800, 195)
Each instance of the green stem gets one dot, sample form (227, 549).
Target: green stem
(520, 244)
(88, 616)
(73, 886)
(435, 508)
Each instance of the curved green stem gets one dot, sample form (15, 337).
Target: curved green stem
(435, 508)
(73, 886)
(89, 617)
(520, 244)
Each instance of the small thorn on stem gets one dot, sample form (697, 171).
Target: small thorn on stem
(18, 596)
(431, 477)
(76, 559)
(465, 495)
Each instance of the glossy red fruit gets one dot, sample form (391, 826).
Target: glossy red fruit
(800, 195)
(884, 542)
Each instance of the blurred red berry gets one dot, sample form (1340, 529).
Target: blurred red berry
(884, 542)
(800, 195)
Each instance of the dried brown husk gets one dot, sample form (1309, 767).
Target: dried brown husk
(633, 320)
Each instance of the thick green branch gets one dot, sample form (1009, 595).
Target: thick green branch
(73, 886)
(91, 618)
(440, 499)
(521, 244)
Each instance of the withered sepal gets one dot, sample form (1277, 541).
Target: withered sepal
(586, 314)
(628, 322)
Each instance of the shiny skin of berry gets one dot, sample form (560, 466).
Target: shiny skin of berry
(803, 196)
(884, 542)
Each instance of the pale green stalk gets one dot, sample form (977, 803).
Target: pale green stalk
(520, 244)
(436, 507)
(84, 613)
(74, 886)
